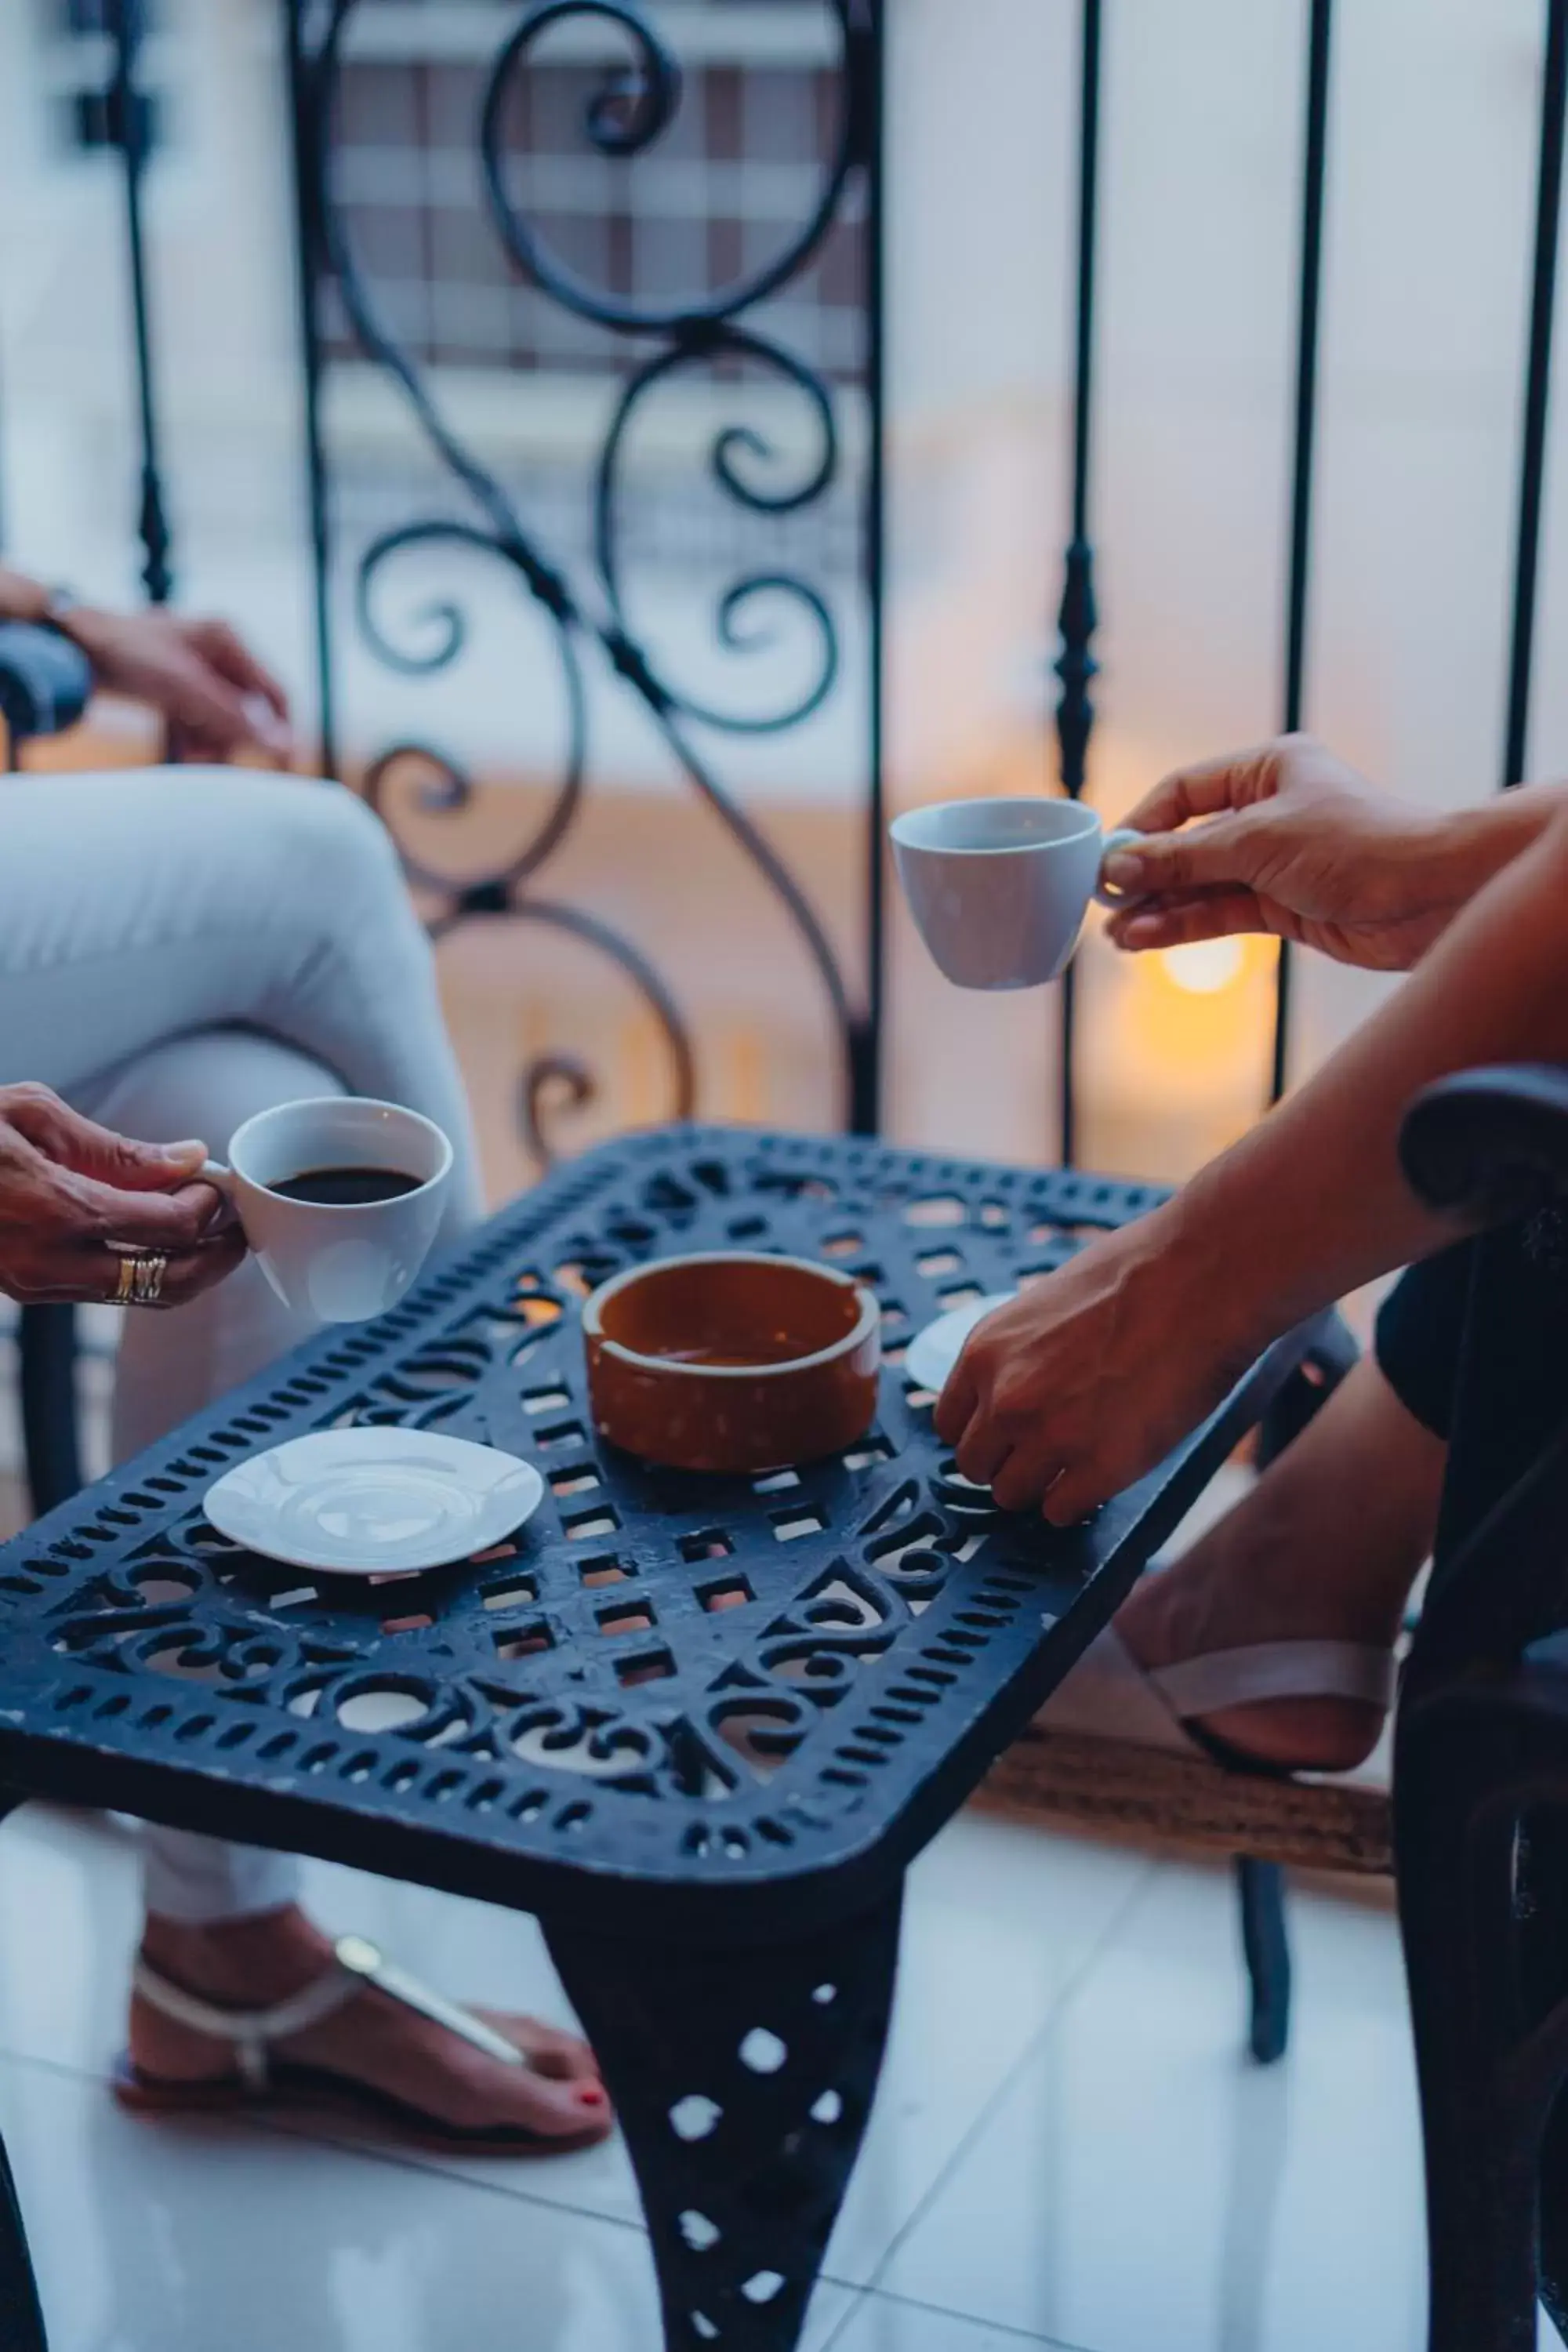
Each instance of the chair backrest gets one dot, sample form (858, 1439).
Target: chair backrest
(1491, 1145)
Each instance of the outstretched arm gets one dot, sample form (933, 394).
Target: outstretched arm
(1087, 1379)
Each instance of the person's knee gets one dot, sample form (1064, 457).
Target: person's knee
(338, 846)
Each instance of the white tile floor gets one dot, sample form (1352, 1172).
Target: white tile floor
(1069, 2148)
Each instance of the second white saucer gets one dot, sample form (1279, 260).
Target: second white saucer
(933, 1353)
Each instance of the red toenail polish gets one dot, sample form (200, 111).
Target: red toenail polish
(590, 2096)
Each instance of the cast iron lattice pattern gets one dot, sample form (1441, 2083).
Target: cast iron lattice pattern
(724, 1705)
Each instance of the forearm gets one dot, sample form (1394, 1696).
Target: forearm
(1313, 1202)
(200, 676)
(1478, 842)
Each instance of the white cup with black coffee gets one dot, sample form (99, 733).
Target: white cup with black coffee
(341, 1198)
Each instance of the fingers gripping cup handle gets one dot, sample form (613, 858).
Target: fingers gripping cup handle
(1126, 837)
(226, 1184)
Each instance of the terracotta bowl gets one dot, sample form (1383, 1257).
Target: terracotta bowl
(730, 1361)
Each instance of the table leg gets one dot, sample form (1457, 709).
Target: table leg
(744, 2081)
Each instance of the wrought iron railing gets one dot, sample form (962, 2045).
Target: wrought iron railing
(636, 102)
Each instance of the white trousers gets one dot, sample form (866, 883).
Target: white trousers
(179, 949)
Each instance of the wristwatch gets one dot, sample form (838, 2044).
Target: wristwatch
(60, 604)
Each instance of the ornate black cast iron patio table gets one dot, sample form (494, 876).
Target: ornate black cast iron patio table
(699, 1726)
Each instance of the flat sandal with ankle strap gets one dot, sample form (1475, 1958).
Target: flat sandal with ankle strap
(260, 2076)
(1108, 1696)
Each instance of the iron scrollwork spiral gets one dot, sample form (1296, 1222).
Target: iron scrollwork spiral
(636, 102)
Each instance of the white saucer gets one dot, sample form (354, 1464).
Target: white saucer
(933, 1353)
(373, 1502)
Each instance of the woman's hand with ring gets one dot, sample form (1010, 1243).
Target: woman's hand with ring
(74, 1199)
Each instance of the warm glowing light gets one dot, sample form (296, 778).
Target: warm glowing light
(1206, 967)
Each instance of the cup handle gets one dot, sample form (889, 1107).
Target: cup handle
(1124, 837)
(221, 1179)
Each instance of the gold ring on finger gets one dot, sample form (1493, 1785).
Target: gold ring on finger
(140, 1281)
(147, 1278)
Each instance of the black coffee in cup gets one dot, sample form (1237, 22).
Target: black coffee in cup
(345, 1188)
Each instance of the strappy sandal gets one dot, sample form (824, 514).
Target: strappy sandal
(1110, 1696)
(261, 2077)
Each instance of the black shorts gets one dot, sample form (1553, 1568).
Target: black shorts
(1475, 1342)
(1420, 1329)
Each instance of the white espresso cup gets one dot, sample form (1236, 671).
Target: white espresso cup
(999, 888)
(336, 1261)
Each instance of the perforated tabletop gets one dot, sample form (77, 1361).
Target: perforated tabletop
(705, 1706)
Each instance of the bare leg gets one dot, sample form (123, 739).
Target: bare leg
(1325, 1547)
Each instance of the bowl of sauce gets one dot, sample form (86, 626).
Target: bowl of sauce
(733, 1360)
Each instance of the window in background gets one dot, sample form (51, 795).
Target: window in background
(727, 185)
